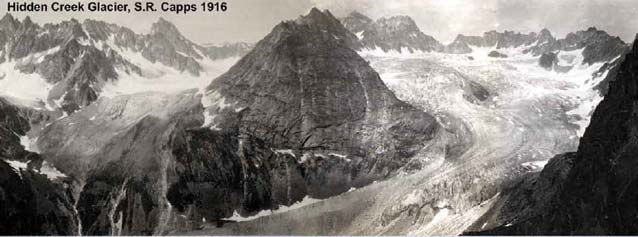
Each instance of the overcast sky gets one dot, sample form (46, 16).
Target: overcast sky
(250, 20)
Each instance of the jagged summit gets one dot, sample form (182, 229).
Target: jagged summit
(7, 17)
(597, 44)
(320, 24)
(398, 33)
(79, 58)
(359, 15)
(163, 26)
(11, 24)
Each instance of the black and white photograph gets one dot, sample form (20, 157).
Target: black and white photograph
(318, 117)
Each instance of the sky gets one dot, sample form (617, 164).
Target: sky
(251, 20)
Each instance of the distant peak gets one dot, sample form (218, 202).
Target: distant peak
(165, 27)
(459, 37)
(7, 17)
(27, 21)
(163, 21)
(318, 17)
(8, 21)
(328, 13)
(400, 18)
(357, 14)
(314, 13)
(399, 22)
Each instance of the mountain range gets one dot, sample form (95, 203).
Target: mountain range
(76, 59)
(268, 132)
(300, 115)
(401, 34)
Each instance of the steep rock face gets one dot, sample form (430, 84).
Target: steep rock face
(34, 205)
(548, 60)
(399, 33)
(598, 45)
(117, 150)
(31, 202)
(596, 190)
(303, 88)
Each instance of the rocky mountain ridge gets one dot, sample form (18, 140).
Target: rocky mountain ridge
(34, 201)
(597, 45)
(401, 34)
(301, 115)
(398, 33)
(77, 59)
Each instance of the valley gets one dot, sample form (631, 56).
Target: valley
(520, 124)
(326, 126)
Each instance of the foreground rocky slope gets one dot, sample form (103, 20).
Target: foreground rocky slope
(590, 191)
(34, 197)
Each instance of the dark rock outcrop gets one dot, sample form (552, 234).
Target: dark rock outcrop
(548, 60)
(592, 191)
(30, 202)
(496, 54)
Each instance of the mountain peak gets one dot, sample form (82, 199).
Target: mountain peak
(360, 16)
(398, 21)
(27, 22)
(297, 80)
(165, 27)
(315, 16)
(8, 21)
(324, 24)
(7, 18)
(545, 31)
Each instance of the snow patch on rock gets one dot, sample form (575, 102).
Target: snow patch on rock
(304, 202)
